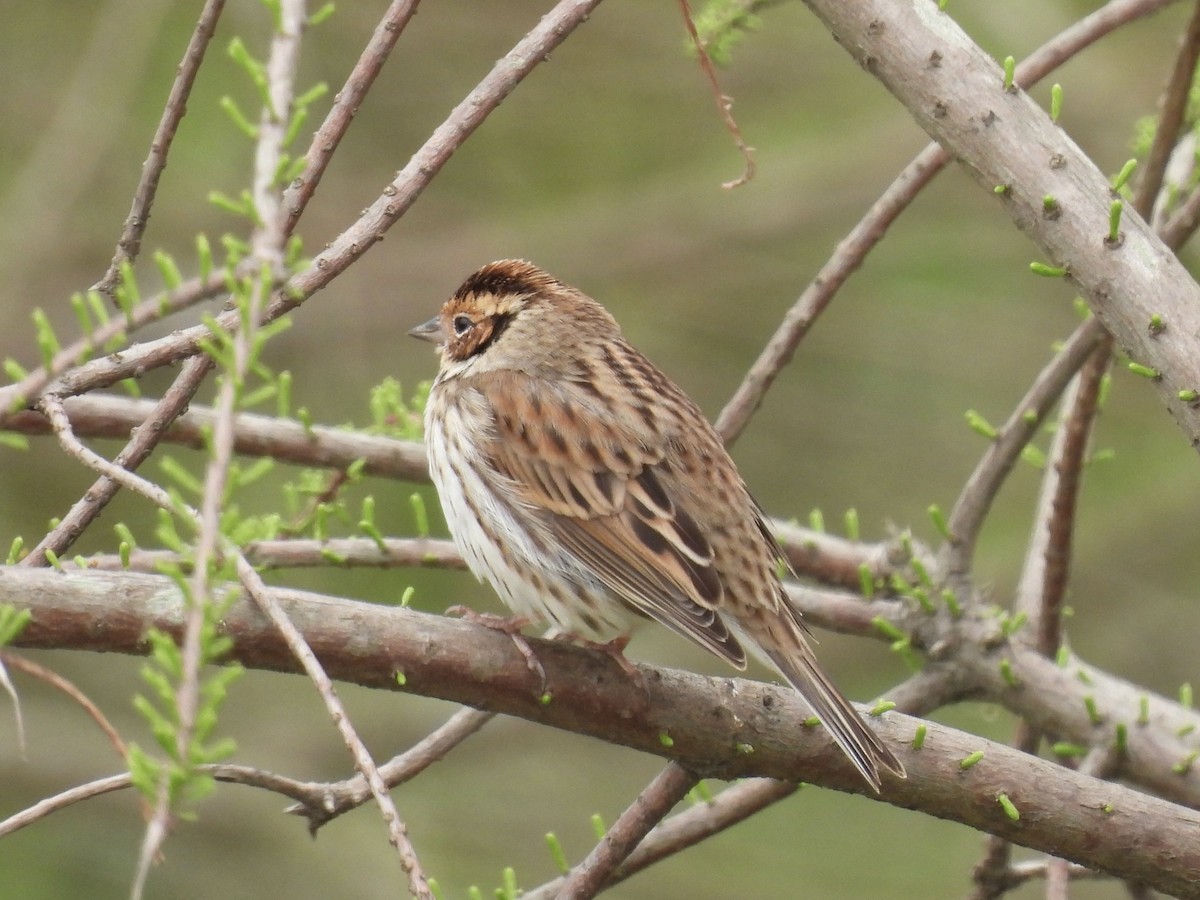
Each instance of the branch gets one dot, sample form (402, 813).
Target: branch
(130, 241)
(735, 804)
(648, 809)
(869, 231)
(1004, 139)
(922, 693)
(147, 433)
(395, 200)
(345, 106)
(323, 802)
(99, 415)
(68, 687)
(304, 553)
(1097, 824)
(971, 508)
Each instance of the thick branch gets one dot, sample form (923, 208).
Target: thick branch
(725, 728)
(955, 91)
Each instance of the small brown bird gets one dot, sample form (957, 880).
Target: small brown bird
(585, 486)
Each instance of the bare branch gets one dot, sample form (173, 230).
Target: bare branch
(1182, 224)
(962, 103)
(649, 808)
(266, 252)
(252, 582)
(1043, 586)
(25, 392)
(286, 440)
(925, 691)
(1068, 814)
(304, 553)
(733, 805)
(64, 799)
(324, 802)
(68, 687)
(370, 227)
(820, 292)
(130, 241)
(345, 105)
(147, 435)
(985, 481)
(854, 248)
(724, 102)
(1170, 118)
(299, 650)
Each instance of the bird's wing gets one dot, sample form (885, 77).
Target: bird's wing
(600, 488)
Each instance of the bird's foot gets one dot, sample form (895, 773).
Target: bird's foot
(511, 626)
(615, 649)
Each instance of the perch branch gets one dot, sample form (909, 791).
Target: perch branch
(1142, 838)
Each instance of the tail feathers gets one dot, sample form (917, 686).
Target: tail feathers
(857, 740)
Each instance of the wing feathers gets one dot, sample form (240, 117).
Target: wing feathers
(611, 511)
(625, 569)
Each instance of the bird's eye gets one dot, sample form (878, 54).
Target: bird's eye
(462, 324)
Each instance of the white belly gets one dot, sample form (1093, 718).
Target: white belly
(532, 577)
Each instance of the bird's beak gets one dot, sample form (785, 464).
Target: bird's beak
(429, 331)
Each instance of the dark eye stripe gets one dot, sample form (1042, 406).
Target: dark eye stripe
(476, 340)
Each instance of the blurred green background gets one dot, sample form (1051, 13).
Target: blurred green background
(604, 167)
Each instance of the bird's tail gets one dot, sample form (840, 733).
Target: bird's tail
(790, 653)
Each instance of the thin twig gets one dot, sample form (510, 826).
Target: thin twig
(266, 251)
(68, 687)
(345, 105)
(846, 259)
(18, 718)
(1182, 224)
(328, 801)
(395, 200)
(62, 800)
(26, 391)
(146, 436)
(931, 688)
(649, 808)
(1020, 873)
(989, 474)
(317, 801)
(1173, 109)
(52, 407)
(834, 560)
(160, 145)
(252, 582)
(1042, 589)
(398, 833)
(724, 102)
(923, 692)
(854, 248)
(286, 440)
(154, 426)
(732, 806)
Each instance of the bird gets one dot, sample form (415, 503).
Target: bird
(590, 491)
